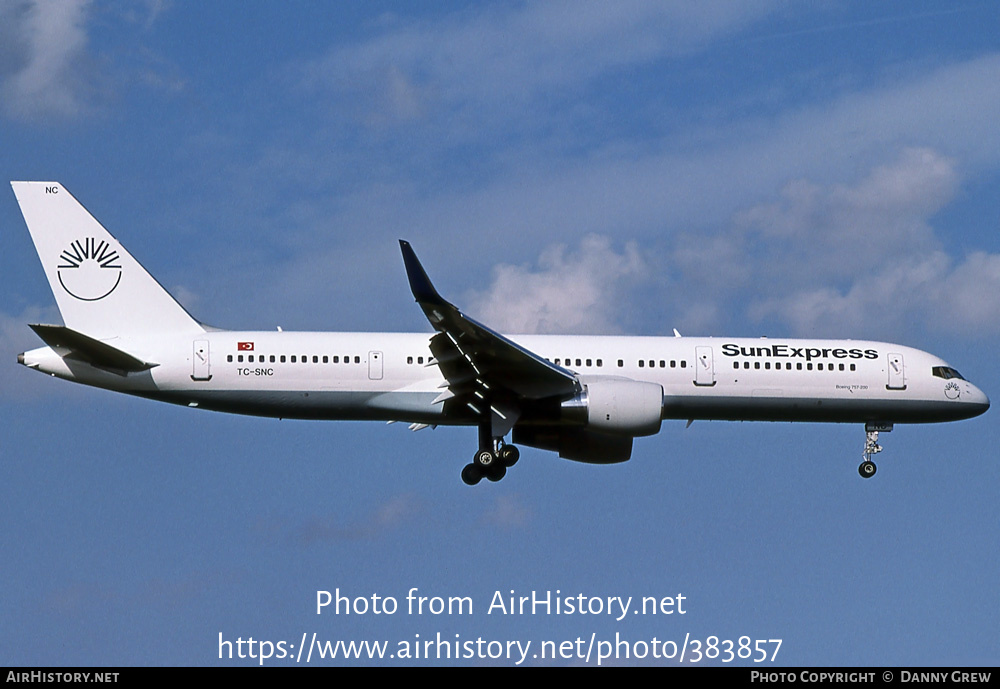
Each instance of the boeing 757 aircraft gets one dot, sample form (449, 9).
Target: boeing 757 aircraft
(586, 398)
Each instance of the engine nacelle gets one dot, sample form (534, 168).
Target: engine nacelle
(616, 406)
(577, 444)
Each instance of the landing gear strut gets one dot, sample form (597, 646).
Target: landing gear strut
(872, 448)
(491, 460)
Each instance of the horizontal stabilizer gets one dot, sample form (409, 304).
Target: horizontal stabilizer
(89, 350)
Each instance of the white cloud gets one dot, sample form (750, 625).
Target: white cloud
(493, 59)
(859, 259)
(509, 511)
(389, 515)
(852, 258)
(646, 189)
(842, 231)
(935, 292)
(43, 74)
(969, 295)
(828, 166)
(571, 291)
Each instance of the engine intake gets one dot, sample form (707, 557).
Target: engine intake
(616, 406)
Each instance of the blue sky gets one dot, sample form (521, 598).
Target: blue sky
(739, 168)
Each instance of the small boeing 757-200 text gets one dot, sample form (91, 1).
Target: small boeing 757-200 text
(586, 398)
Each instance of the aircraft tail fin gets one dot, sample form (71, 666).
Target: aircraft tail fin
(100, 289)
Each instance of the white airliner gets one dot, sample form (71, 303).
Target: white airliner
(586, 398)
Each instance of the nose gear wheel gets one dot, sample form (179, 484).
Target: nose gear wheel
(872, 448)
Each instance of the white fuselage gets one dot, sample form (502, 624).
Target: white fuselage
(586, 398)
(392, 376)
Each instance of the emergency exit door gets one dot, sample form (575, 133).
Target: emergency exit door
(897, 374)
(704, 366)
(201, 367)
(375, 365)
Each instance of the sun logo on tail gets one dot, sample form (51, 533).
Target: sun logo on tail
(89, 269)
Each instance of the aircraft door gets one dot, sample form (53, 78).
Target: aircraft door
(375, 365)
(201, 365)
(704, 366)
(897, 374)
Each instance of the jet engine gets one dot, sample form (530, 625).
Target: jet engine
(616, 406)
(598, 425)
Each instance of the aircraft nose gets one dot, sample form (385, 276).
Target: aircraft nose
(979, 401)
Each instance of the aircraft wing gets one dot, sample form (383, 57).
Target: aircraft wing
(87, 349)
(483, 367)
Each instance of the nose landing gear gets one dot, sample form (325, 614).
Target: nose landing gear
(872, 448)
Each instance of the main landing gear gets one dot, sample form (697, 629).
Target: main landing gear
(491, 463)
(494, 455)
(872, 448)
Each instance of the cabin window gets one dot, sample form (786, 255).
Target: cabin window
(621, 363)
(229, 358)
(600, 363)
(641, 363)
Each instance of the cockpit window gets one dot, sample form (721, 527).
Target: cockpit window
(946, 372)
